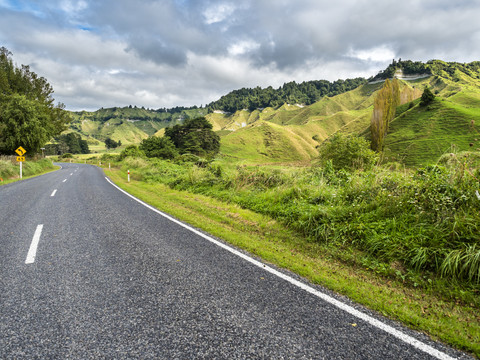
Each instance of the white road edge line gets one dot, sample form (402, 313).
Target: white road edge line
(347, 308)
(54, 192)
(33, 246)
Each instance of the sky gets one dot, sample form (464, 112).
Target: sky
(167, 53)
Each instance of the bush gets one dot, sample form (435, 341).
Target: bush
(131, 150)
(160, 147)
(427, 97)
(348, 153)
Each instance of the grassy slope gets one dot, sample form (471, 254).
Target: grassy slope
(420, 135)
(291, 133)
(128, 125)
(265, 142)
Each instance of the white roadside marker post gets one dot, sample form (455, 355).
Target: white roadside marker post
(108, 166)
(128, 171)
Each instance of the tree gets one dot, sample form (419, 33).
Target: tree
(27, 114)
(427, 97)
(161, 147)
(24, 122)
(195, 136)
(111, 144)
(385, 105)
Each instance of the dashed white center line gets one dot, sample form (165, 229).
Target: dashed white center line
(64, 180)
(33, 246)
(54, 192)
(71, 174)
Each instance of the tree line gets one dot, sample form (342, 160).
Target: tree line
(291, 93)
(28, 116)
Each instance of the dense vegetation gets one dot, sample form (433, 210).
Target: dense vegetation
(28, 117)
(407, 66)
(112, 144)
(448, 70)
(194, 136)
(290, 93)
(159, 147)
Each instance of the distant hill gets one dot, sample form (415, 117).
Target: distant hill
(130, 125)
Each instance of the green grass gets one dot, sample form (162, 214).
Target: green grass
(266, 142)
(420, 135)
(258, 210)
(10, 169)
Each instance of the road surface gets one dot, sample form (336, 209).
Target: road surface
(88, 272)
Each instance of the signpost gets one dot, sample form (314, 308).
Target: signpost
(20, 158)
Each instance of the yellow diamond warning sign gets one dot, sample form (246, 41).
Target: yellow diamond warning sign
(20, 151)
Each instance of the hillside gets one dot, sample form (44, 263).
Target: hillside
(420, 135)
(293, 132)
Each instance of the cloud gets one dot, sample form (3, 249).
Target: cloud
(182, 52)
(218, 12)
(377, 54)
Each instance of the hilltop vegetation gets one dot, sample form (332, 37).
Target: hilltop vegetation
(291, 93)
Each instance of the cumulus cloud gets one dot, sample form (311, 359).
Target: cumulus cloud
(182, 52)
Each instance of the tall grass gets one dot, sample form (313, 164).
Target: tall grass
(9, 167)
(425, 223)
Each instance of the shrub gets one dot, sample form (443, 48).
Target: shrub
(427, 97)
(131, 150)
(348, 153)
(160, 147)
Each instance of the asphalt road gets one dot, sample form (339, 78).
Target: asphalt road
(110, 278)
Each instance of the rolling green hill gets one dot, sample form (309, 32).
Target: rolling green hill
(420, 135)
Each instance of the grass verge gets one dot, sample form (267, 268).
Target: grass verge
(9, 171)
(454, 322)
